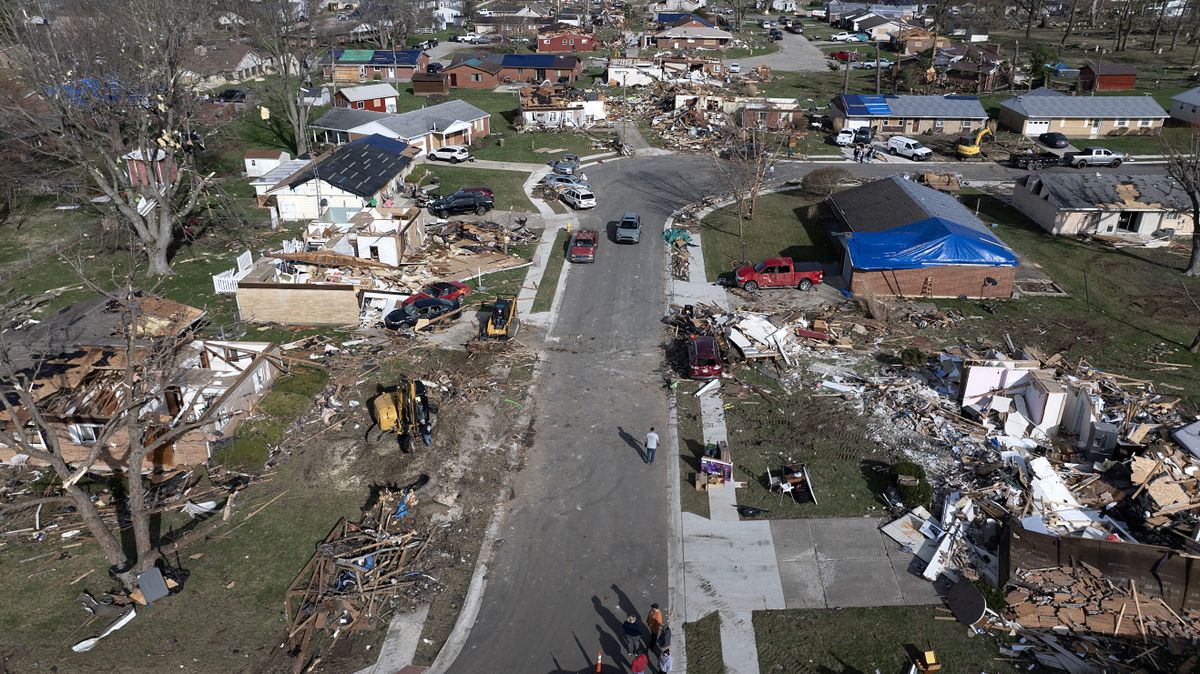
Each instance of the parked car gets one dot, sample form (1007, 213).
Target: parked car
(465, 37)
(795, 29)
(777, 272)
(909, 148)
(873, 64)
(1095, 156)
(848, 37)
(562, 181)
(1053, 139)
(775, 34)
(864, 134)
(704, 357)
(451, 153)
(629, 229)
(452, 291)
(434, 67)
(844, 55)
(844, 138)
(565, 165)
(578, 198)
(428, 308)
(582, 246)
(232, 96)
(735, 68)
(426, 44)
(767, 23)
(462, 202)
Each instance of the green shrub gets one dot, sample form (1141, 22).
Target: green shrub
(920, 494)
(913, 357)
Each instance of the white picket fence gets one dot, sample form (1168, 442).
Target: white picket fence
(226, 282)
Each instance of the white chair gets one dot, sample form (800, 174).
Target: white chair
(772, 481)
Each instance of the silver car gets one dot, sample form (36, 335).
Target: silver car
(629, 229)
(560, 181)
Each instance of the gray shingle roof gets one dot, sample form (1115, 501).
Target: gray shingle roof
(344, 119)
(895, 202)
(405, 125)
(1074, 191)
(1093, 107)
(1189, 97)
(951, 107)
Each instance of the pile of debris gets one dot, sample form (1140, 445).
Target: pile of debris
(360, 574)
(484, 235)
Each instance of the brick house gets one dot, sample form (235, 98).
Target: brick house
(374, 97)
(351, 66)
(1082, 116)
(475, 72)
(908, 115)
(1107, 77)
(487, 72)
(558, 39)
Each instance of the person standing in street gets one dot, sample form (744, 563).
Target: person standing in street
(651, 445)
(654, 622)
(665, 662)
(631, 632)
(663, 643)
(640, 664)
(857, 154)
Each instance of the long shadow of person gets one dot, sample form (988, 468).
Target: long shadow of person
(611, 646)
(632, 442)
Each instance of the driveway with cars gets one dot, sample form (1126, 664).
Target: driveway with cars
(795, 53)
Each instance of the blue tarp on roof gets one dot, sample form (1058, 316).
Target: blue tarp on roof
(861, 105)
(933, 242)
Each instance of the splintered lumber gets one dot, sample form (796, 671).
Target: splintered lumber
(1137, 604)
(1119, 619)
(1171, 611)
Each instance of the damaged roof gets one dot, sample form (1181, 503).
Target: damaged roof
(894, 202)
(909, 107)
(1105, 191)
(363, 167)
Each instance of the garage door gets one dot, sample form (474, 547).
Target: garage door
(1033, 128)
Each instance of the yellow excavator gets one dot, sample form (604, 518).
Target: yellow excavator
(406, 411)
(970, 147)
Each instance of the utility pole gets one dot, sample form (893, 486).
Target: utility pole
(878, 70)
(846, 76)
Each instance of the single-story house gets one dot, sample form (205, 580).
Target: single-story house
(908, 114)
(837, 11)
(1082, 116)
(454, 122)
(487, 72)
(906, 239)
(1185, 106)
(211, 66)
(971, 67)
(880, 28)
(557, 39)
(351, 66)
(1074, 204)
(375, 97)
(261, 162)
(1107, 77)
(514, 27)
(475, 72)
(365, 172)
(692, 37)
(680, 19)
(559, 107)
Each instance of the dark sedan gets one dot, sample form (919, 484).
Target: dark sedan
(1053, 139)
(427, 308)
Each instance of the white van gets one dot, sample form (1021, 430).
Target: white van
(907, 147)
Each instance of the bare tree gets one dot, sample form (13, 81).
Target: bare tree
(382, 17)
(147, 369)
(1032, 9)
(745, 165)
(107, 95)
(1183, 166)
(1070, 24)
(284, 31)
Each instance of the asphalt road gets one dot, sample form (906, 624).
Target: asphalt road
(586, 540)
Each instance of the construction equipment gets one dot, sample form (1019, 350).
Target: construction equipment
(502, 324)
(405, 411)
(969, 147)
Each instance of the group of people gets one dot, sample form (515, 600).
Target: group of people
(863, 153)
(638, 648)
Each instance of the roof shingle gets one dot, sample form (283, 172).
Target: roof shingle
(1091, 107)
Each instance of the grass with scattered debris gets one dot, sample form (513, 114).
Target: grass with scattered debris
(702, 639)
(549, 284)
(815, 89)
(508, 186)
(691, 448)
(508, 282)
(883, 639)
(785, 223)
(1129, 309)
(289, 397)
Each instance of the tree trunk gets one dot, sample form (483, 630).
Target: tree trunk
(1178, 27)
(1033, 8)
(1195, 347)
(1193, 268)
(1070, 24)
(109, 544)
(1157, 29)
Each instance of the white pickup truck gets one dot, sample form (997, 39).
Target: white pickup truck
(1095, 156)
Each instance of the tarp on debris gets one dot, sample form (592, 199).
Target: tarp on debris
(932, 242)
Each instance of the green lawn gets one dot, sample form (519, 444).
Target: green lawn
(757, 48)
(781, 226)
(549, 284)
(1136, 145)
(867, 640)
(507, 185)
(817, 88)
(702, 639)
(290, 396)
(691, 448)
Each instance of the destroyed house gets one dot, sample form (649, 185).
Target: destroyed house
(909, 115)
(905, 239)
(558, 107)
(77, 362)
(366, 172)
(1078, 204)
(677, 19)
(365, 65)
(773, 114)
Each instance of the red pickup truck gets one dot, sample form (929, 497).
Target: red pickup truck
(777, 272)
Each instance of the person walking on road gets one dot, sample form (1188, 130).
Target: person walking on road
(654, 622)
(665, 662)
(631, 632)
(651, 445)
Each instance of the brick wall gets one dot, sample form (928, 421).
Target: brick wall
(950, 281)
(298, 304)
(461, 78)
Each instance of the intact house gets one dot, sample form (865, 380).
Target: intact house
(375, 97)
(352, 66)
(1074, 204)
(560, 39)
(454, 122)
(560, 107)
(369, 171)
(1107, 77)
(486, 72)
(1185, 106)
(908, 115)
(212, 66)
(1082, 116)
(903, 239)
(313, 96)
(691, 37)
(879, 28)
(261, 162)
(75, 363)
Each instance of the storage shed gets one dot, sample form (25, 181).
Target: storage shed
(1107, 77)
